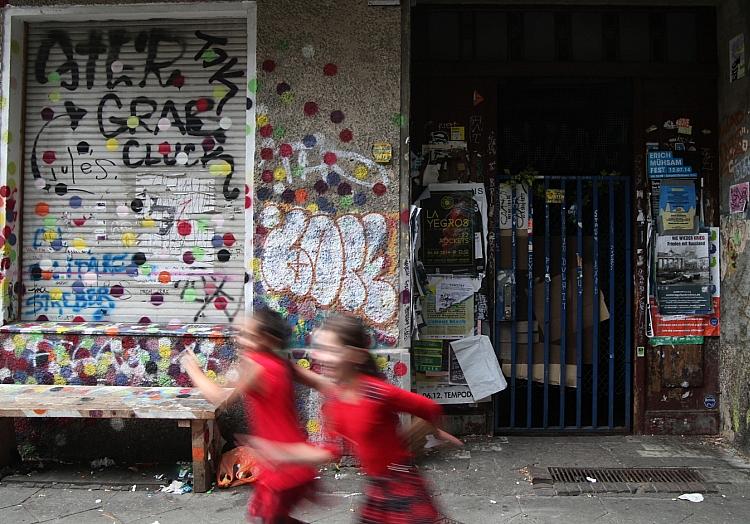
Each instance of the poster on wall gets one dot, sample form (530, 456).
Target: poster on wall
(677, 208)
(479, 219)
(455, 373)
(457, 321)
(683, 281)
(661, 163)
(504, 206)
(454, 290)
(708, 325)
(443, 393)
(436, 384)
(737, 57)
(448, 226)
(428, 355)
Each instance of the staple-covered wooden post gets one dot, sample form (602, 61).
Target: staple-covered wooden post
(200, 448)
(8, 451)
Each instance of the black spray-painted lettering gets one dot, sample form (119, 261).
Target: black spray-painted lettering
(161, 51)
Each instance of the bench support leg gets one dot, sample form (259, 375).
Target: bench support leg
(8, 451)
(203, 454)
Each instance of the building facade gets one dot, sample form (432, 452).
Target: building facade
(165, 167)
(169, 166)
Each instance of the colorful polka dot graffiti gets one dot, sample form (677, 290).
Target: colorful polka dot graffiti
(86, 359)
(316, 246)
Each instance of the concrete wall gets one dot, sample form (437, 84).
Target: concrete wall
(734, 158)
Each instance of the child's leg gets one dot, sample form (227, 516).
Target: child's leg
(269, 506)
(400, 496)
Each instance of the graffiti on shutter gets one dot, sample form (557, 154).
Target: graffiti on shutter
(134, 171)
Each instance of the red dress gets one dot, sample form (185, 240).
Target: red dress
(270, 406)
(396, 493)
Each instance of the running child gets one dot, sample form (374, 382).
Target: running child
(363, 408)
(266, 383)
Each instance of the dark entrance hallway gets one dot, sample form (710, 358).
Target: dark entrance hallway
(559, 104)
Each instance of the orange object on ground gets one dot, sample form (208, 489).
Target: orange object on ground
(237, 467)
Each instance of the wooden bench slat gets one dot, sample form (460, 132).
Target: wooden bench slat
(104, 402)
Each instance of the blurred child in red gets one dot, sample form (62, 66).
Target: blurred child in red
(363, 408)
(266, 383)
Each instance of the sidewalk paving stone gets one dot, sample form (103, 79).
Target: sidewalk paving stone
(14, 495)
(17, 515)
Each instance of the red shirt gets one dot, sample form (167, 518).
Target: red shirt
(270, 407)
(371, 422)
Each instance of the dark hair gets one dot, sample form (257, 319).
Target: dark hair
(274, 325)
(351, 331)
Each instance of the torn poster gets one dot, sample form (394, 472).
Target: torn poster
(456, 375)
(450, 291)
(479, 365)
(445, 393)
(675, 341)
(477, 98)
(738, 197)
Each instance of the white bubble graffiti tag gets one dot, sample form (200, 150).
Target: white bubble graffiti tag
(339, 262)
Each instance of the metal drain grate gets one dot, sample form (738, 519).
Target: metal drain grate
(575, 481)
(626, 475)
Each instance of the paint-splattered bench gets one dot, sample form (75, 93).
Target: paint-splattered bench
(185, 405)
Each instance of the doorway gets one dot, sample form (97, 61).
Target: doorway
(558, 104)
(563, 274)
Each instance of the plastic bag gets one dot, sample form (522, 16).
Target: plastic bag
(237, 467)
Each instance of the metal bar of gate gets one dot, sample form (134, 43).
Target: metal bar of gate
(499, 314)
(595, 343)
(628, 306)
(617, 215)
(579, 302)
(612, 315)
(547, 280)
(530, 309)
(563, 303)
(513, 341)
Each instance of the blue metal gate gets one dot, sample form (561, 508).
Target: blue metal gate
(563, 303)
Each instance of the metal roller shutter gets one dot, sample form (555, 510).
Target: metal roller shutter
(134, 169)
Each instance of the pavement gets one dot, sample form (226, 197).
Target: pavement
(488, 481)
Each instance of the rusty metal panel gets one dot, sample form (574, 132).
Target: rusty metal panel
(682, 366)
(674, 422)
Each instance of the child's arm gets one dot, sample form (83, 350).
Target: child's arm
(299, 453)
(402, 401)
(217, 395)
(313, 380)
(424, 408)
